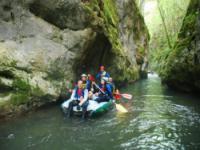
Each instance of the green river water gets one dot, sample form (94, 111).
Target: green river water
(158, 118)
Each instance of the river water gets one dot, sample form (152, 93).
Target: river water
(158, 118)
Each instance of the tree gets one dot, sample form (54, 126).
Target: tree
(164, 24)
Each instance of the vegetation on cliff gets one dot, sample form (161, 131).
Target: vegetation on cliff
(174, 54)
(105, 16)
(181, 68)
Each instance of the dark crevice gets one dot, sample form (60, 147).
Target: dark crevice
(95, 55)
(7, 74)
(5, 89)
(7, 7)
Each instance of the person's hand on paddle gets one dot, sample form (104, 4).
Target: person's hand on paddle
(96, 94)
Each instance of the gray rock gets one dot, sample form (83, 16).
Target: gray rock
(62, 13)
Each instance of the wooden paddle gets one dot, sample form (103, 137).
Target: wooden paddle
(119, 107)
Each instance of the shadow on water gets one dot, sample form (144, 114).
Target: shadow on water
(158, 119)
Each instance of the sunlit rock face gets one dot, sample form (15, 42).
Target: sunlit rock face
(44, 43)
(130, 32)
(182, 68)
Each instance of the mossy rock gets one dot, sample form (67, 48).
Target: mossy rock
(20, 98)
(21, 85)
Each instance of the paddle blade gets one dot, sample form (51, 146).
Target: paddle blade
(127, 96)
(121, 108)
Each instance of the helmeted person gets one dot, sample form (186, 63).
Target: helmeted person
(102, 73)
(86, 82)
(105, 92)
(90, 77)
(78, 98)
(111, 83)
(117, 95)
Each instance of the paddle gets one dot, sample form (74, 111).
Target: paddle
(119, 107)
(125, 95)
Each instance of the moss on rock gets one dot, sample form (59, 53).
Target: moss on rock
(104, 16)
(179, 66)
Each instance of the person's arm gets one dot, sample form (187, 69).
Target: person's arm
(98, 76)
(109, 91)
(85, 97)
(107, 75)
(88, 85)
(113, 87)
(73, 94)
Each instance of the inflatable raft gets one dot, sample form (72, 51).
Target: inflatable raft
(94, 108)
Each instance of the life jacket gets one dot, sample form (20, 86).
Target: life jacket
(87, 85)
(91, 78)
(112, 86)
(109, 91)
(103, 87)
(79, 93)
(84, 85)
(117, 96)
(103, 73)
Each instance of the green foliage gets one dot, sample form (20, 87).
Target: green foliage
(111, 22)
(159, 45)
(105, 16)
(36, 91)
(23, 92)
(21, 85)
(20, 98)
(177, 65)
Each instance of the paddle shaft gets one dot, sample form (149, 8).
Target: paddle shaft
(99, 89)
(119, 107)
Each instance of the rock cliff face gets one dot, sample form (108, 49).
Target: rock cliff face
(181, 67)
(44, 43)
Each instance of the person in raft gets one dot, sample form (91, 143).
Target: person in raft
(78, 98)
(86, 82)
(105, 92)
(111, 84)
(102, 73)
(91, 96)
